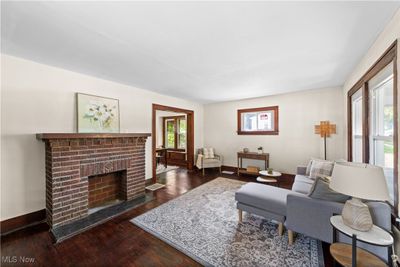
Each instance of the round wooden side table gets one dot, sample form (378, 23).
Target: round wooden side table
(269, 177)
(351, 256)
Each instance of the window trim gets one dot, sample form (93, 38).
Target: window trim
(176, 135)
(275, 131)
(389, 57)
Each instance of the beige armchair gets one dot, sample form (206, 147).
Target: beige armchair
(203, 162)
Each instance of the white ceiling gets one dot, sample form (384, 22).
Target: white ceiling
(201, 51)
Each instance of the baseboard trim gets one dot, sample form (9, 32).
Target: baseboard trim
(23, 221)
(234, 169)
(36, 217)
(229, 168)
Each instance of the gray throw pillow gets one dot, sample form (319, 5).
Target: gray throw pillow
(321, 190)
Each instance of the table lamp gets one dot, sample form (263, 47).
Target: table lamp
(359, 182)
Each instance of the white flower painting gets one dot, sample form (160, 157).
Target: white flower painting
(97, 114)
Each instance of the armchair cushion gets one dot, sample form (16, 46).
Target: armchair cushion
(208, 153)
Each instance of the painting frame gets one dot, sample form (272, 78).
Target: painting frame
(82, 124)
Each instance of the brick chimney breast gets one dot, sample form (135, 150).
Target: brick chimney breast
(71, 158)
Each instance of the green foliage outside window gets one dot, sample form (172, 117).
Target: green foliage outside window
(170, 134)
(182, 134)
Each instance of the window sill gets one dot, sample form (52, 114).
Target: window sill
(258, 133)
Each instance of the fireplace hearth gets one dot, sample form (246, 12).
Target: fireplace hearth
(85, 171)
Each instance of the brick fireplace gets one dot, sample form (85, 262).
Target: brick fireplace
(115, 161)
(105, 189)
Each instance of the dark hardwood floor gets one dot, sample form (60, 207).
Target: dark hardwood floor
(116, 242)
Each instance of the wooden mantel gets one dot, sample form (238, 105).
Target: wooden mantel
(48, 136)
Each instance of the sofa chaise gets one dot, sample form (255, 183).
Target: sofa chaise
(299, 213)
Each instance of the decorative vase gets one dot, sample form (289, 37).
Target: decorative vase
(259, 151)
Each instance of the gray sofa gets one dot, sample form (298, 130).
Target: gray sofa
(303, 214)
(312, 216)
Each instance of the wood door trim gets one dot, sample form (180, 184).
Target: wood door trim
(388, 57)
(189, 130)
(275, 131)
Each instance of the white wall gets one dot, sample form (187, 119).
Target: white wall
(296, 142)
(37, 98)
(390, 34)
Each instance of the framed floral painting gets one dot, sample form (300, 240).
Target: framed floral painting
(97, 114)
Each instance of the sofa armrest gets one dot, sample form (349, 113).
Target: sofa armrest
(301, 170)
(311, 216)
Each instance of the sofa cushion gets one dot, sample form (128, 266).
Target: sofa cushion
(303, 178)
(302, 187)
(265, 197)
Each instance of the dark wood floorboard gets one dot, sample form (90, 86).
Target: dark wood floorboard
(116, 242)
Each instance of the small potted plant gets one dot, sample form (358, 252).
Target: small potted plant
(270, 171)
(260, 150)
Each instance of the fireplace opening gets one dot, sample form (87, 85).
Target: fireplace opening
(105, 190)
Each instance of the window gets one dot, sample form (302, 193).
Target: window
(170, 133)
(258, 121)
(182, 133)
(373, 132)
(175, 132)
(382, 124)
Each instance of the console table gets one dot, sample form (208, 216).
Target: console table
(251, 155)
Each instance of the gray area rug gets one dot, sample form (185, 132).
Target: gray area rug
(203, 224)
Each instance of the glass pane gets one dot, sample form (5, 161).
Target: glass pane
(170, 134)
(382, 124)
(357, 149)
(384, 157)
(381, 92)
(356, 112)
(264, 120)
(249, 121)
(182, 134)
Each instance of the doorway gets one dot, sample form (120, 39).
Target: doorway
(175, 142)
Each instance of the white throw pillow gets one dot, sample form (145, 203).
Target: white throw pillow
(309, 167)
(321, 169)
(208, 153)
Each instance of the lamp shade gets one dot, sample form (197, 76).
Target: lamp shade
(360, 181)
